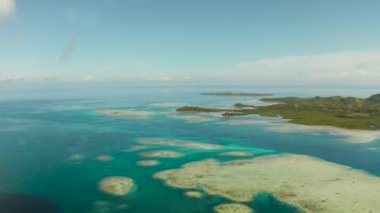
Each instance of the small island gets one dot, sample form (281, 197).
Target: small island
(237, 94)
(335, 111)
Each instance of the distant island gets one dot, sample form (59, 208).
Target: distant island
(336, 111)
(237, 94)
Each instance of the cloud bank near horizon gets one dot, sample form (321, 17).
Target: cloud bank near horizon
(340, 67)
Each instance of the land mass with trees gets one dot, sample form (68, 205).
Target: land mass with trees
(336, 111)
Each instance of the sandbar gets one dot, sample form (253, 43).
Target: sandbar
(179, 143)
(147, 163)
(237, 154)
(311, 184)
(194, 194)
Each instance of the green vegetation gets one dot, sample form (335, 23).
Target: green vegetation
(237, 94)
(198, 109)
(337, 111)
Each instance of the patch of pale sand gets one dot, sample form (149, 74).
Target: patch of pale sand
(194, 118)
(76, 157)
(351, 136)
(104, 158)
(116, 185)
(135, 148)
(193, 194)
(162, 154)
(179, 143)
(236, 154)
(126, 112)
(147, 163)
(232, 208)
(357, 136)
(311, 184)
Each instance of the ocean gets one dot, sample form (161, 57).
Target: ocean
(41, 127)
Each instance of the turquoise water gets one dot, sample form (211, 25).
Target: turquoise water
(40, 128)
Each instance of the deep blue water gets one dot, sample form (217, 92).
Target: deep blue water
(40, 127)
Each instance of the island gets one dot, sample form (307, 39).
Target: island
(335, 111)
(237, 94)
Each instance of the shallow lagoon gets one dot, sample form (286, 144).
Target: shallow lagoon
(39, 131)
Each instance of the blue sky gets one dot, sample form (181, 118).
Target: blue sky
(270, 41)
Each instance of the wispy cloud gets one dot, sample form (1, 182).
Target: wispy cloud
(8, 78)
(68, 49)
(351, 66)
(7, 8)
(77, 15)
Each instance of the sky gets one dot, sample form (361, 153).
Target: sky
(328, 42)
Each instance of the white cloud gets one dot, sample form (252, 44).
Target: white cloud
(341, 67)
(89, 78)
(7, 8)
(165, 78)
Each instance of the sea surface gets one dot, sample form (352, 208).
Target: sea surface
(42, 126)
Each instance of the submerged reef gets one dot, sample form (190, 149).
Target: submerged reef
(76, 157)
(135, 148)
(236, 154)
(25, 203)
(107, 207)
(104, 158)
(310, 184)
(147, 163)
(162, 154)
(125, 112)
(237, 94)
(336, 111)
(179, 143)
(116, 185)
(232, 208)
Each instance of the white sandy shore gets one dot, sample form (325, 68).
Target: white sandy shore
(311, 184)
(282, 126)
